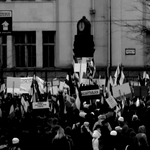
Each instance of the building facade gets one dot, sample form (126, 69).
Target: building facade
(43, 35)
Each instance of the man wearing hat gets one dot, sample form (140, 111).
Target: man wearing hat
(15, 144)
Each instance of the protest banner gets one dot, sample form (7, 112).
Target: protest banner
(25, 84)
(55, 82)
(122, 90)
(13, 85)
(140, 91)
(76, 67)
(137, 91)
(111, 102)
(90, 91)
(40, 105)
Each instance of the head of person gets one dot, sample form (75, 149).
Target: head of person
(15, 141)
(60, 133)
(142, 140)
(142, 129)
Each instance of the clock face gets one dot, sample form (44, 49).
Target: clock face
(81, 26)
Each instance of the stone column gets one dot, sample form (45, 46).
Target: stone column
(39, 49)
(10, 60)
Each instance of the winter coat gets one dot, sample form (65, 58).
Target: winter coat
(95, 141)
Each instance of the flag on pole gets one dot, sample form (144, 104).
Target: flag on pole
(35, 92)
(24, 104)
(119, 75)
(145, 78)
(91, 69)
(77, 101)
(69, 82)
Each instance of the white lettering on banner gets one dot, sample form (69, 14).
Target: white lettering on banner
(26, 80)
(25, 84)
(90, 92)
(40, 105)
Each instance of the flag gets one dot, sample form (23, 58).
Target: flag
(69, 82)
(22, 110)
(109, 86)
(119, 75)
(35, 92)
(91, 69)
(11, 109)
(145, 78)
(24, 104)
(141, 80)
(77, 101)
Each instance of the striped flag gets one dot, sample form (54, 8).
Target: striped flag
(77, 101)
(69, 82)
(119, 76)
(35, 90)
(91, 69)
(24, 104)
(145, 78)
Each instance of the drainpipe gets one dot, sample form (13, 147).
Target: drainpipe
(92, 12)
(71, 25)
(109, 65)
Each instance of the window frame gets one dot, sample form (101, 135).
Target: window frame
(24, 44)
(50, 62)
(3, 59)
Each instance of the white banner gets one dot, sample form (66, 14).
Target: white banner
(40, 105)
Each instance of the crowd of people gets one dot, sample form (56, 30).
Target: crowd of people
(63, 126)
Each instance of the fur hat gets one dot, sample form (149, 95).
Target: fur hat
(113, 133)
(96, 134)
(134, 117)
(82, 114)
(118, 128)
(15, 141)
(121, 119)
(102, 117)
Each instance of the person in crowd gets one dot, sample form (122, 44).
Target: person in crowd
(101, 118)
(85, 137)
(113, 140)
(135, 123)
(132, 142)
(15, 144)
(95, 141)
(142, 141)
(60, 141)
(142, 129)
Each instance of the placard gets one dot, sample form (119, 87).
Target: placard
(13, 85)
(122, 90)
(90, 91)
(77, 67)
(144, 91)
(111, 102)
(40, 105)
(25, 84)
(55, 82)
(140, 91)
(137, 91)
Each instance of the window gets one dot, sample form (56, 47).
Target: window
(48, 48)
(25, 49)
(3, 51)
